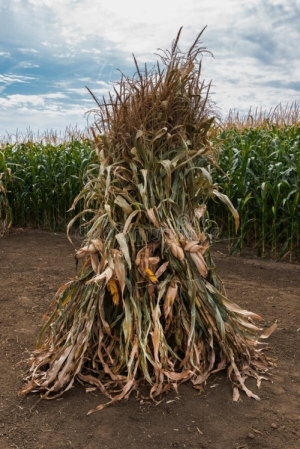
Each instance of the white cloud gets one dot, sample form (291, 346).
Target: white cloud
(65, 55)
(50, 44)
(84, 91)
(5, 54)
(55, 95)
(78, 91)
(28, 65)
(21, 101)
(85, 79)
(28, 50)
(41, 120)
(104, 84)
(11, 79)
(94, 51)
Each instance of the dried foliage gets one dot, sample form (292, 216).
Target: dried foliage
(47, 137)
(147, 304)
(281, 116)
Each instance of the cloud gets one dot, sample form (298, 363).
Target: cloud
(28, 65)
(65, 55)
(76, 43)
(11, 79)
(95, 51)
(28, 51)
(21, 101)
(5, 54)
(42, 119)
(50, 44)
(279, 84)
(84, 91)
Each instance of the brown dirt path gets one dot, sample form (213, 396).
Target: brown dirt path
(33, 264)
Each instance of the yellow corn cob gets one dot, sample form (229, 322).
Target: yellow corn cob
(151, 276)
(113, 288)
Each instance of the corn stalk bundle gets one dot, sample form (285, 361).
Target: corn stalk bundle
(147, 304)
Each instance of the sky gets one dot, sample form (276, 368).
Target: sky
(51, 49)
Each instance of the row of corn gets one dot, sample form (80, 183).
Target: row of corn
(260, 172)
(39, 182)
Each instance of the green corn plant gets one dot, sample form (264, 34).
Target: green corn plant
(46, 180)
(5, 209)
(260, 173)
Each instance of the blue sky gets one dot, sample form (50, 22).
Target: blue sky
(51, 49)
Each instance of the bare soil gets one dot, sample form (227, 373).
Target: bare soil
(33, 264)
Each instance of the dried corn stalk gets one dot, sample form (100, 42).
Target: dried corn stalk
(148, 305)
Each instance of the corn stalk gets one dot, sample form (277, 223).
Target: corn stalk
(5, 209)
(148, 305)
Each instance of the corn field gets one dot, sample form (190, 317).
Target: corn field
(260, 172)
(44, 180)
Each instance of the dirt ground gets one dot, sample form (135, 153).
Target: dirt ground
(33, 264)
